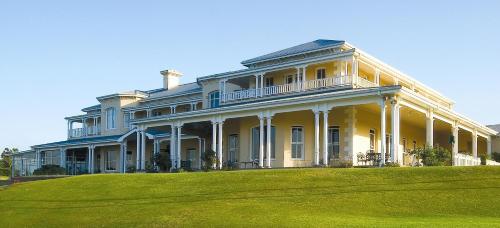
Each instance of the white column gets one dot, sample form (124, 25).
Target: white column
(155, 151)
(268, 142)
(474, 144)
(316, 137)
(124, 156)
(143, 150)
(297, 81)
(382, 131)
(219, 145)
(261, 141)
(304, 77)
(214, 135)
(179, 148)
(89, 156)
(138, 151)
(172, 148)
(429, 136)
(394, 130)
(70, 128)
(325, 137)
(262, 85)
(354, 66)
(62, 162)
(488, 146)
(455, 144)
(200, 152)
(257, 85)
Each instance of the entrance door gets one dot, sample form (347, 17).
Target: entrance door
(333, 143)
(233, 148)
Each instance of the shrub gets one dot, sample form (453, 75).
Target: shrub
(433, 156)
(391, 164)
(179, 170)
(495, 156)
(209, 159)
(131, 169)
(150, 168)
(50, 170)
(337, 163)
(162, 161)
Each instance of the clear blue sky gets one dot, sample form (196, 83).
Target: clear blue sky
(57, 56)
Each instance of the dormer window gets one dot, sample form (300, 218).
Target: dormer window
(214, 99)
(110, 118)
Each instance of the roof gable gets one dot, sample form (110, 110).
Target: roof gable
(302, 48)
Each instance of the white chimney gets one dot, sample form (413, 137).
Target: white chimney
(171, 78)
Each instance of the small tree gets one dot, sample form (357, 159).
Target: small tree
(6, 161)
(433, 156)
(209, 160)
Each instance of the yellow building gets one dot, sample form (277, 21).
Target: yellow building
(320, 103)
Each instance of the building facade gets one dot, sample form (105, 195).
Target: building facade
(315, 104)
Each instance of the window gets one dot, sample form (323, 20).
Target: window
(256, 142)
(233, 148)
(292, 78)
(320, 73)
(156, 113)
(110, 161)
(50, 157)
(129, 158)
(111, 118)
(333, 142)
(126, 120)
(213, 99)
(372, 140)
(191, 155)
(269, 82)
(297, 143)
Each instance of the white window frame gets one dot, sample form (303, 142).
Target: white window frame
(301, 143)
(111, 124)
(126, 120)
(318, 69)
(294, 78)
(212, 100)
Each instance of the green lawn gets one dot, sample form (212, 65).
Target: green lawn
(440, 196)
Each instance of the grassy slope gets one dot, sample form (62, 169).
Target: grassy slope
(442, 196)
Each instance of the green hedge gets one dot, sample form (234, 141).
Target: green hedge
(50, 170)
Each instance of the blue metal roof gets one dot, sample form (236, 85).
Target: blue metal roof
(80, 141)
(306, 47)
(92, 108)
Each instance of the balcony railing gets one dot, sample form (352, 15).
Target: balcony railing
(328, 82)
(76, 133)
(83, 132)
(466, 160)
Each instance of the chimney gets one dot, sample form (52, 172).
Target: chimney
(171, 78)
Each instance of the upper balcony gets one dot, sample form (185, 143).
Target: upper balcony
(84, 125)
(298, 87)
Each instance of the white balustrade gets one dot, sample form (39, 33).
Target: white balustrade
(466, 160)
(328, 82)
